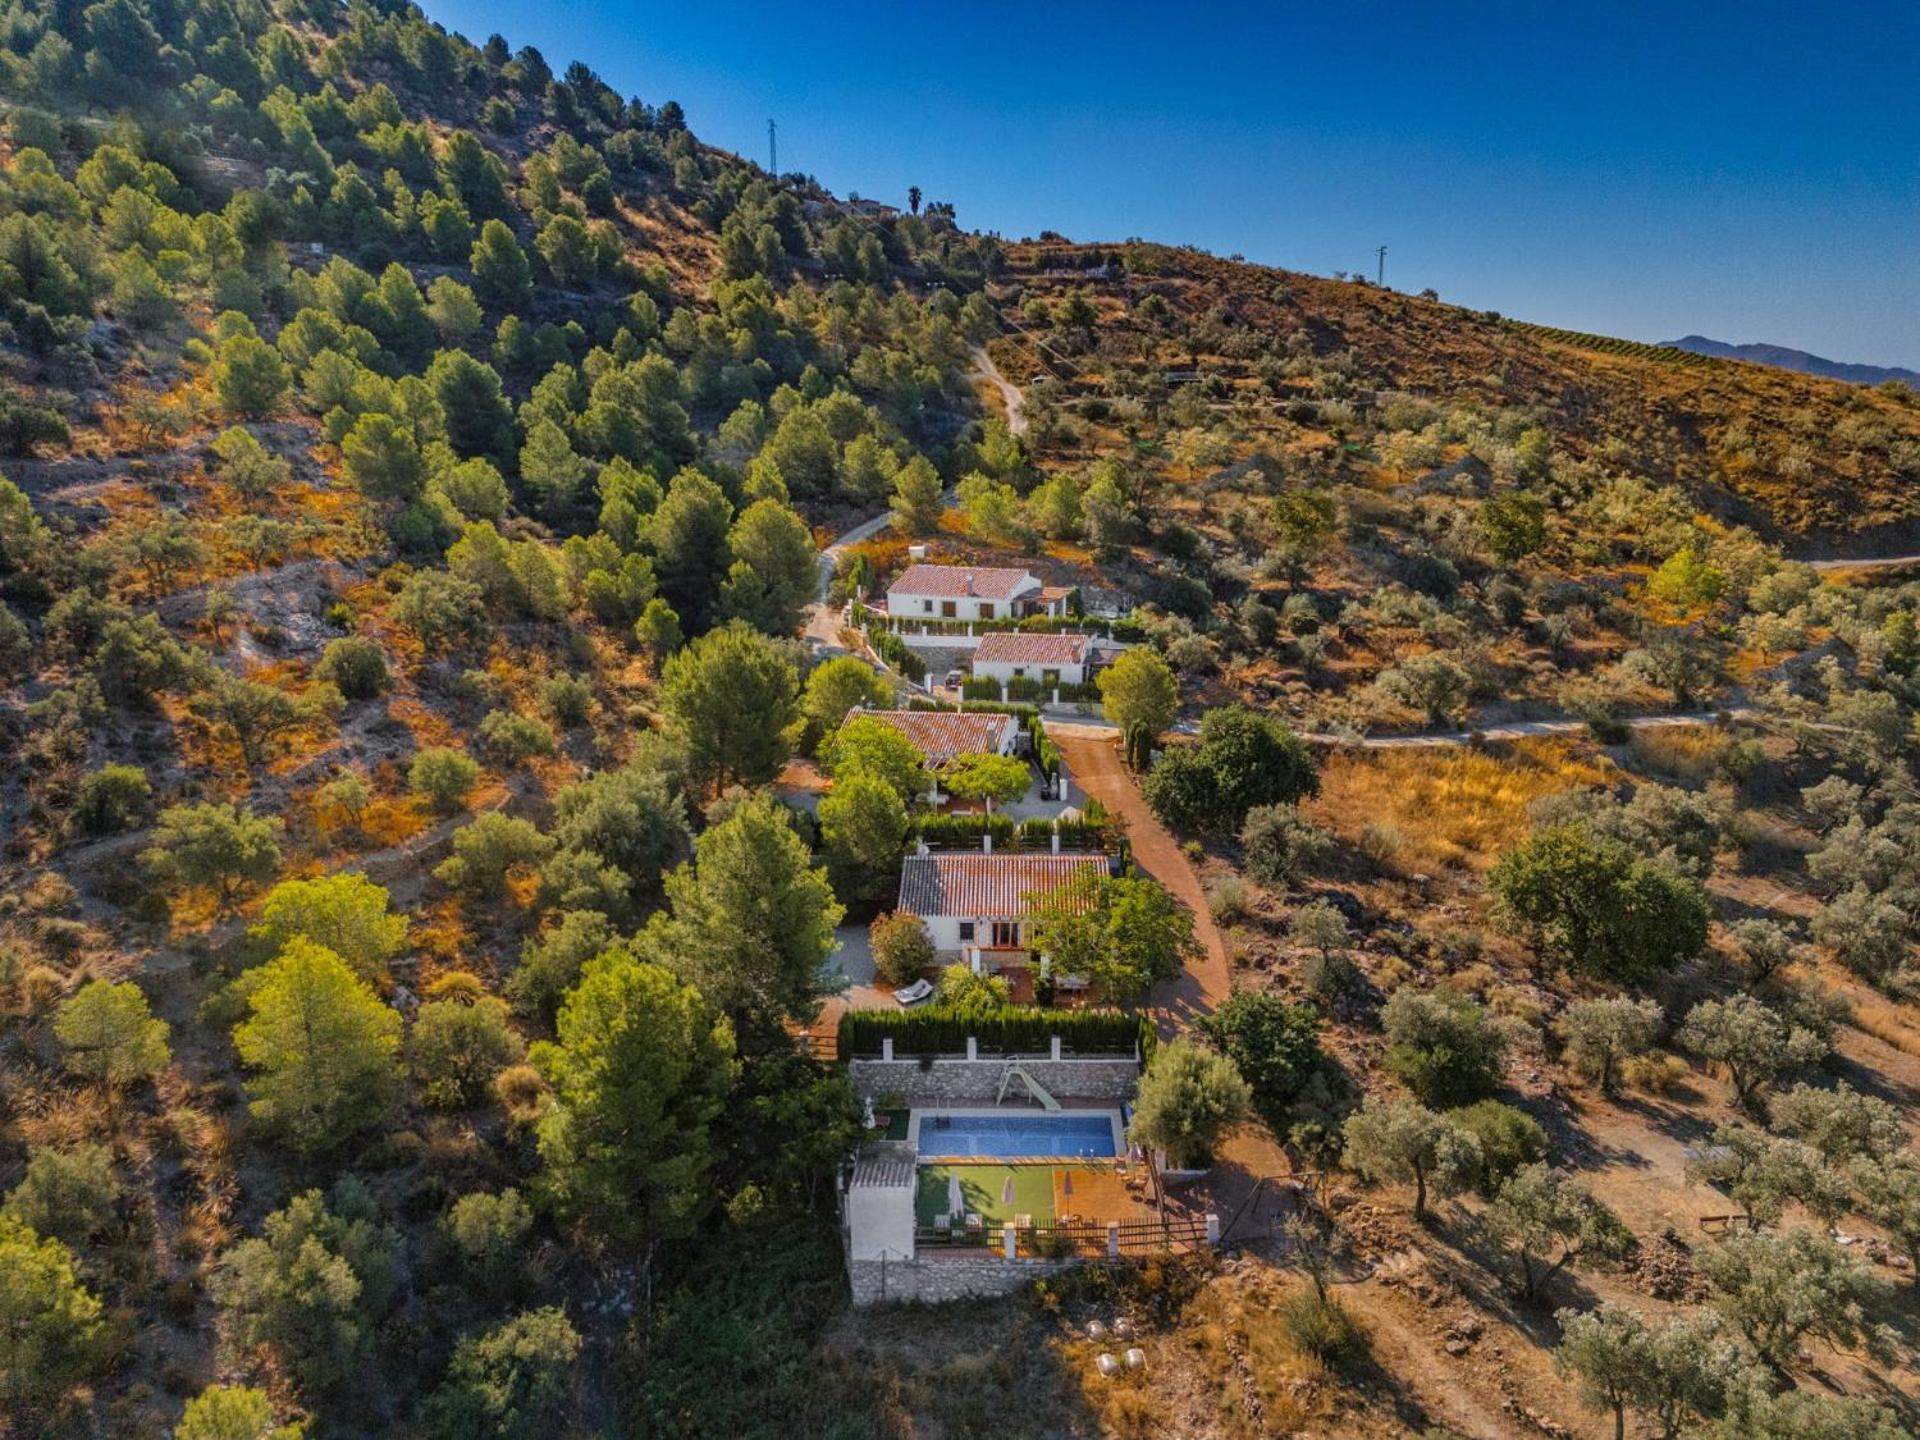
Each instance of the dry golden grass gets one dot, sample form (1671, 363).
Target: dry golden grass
(1225, 1368)
(1690, 753)
(1458, 809)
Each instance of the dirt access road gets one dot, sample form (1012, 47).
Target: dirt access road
(1095, 765)
(1010, 395)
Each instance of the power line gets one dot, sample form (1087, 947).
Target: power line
(1381, 278)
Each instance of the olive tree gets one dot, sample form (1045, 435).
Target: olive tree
(1189, 1100)
(1602, 1034)
(1779, 1290)
(1545, 1220)
(1401, 1141)
(1751, 1042)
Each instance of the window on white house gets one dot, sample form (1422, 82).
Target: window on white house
(966, 932)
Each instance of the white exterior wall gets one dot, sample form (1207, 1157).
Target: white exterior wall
(944, 930)
(879, 1222)
(906, 606)
(1003, 671)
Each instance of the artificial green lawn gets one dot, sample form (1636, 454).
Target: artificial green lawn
(983, 1186)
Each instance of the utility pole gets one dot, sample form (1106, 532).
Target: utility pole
(773, 152)
(1381, 278)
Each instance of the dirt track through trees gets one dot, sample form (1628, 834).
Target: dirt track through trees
(1095, 766)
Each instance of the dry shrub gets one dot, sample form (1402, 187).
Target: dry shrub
(1322, 1327)
(1131, 1412)
(521, 1093)
(1427, 810)
(41, 988)
(49, 893)
(1229, 899)
(1381, 843)
(1657, 1072)
(1516, 1003)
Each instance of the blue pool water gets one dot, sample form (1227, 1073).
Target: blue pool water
(1011, 1136)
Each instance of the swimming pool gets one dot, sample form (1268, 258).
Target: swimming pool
(1008, 1135)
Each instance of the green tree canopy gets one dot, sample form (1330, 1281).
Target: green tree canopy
(1125, 935)
(50, 1325)
(1139, 689)
(109, 1034)
(1274, 1044)
(322, 1048)
(863, 827)
(345, 913)
(1190, 1099)
(730, 694)
(1589, 904)
(640, 1070)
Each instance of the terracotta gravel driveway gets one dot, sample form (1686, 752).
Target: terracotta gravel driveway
(1093, 760)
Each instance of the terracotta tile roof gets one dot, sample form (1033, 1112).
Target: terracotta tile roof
(976, 581)
(984, 886)
(1019, 648)
(941, 735)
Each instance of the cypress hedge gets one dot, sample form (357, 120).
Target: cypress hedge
(938, 1030)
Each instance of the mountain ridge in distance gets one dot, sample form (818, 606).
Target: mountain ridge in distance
(1784, 357)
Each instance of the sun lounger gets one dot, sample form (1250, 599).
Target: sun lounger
(913, 994)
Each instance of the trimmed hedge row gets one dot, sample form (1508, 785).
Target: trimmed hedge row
(896, 652)
(1013, 1029)
(965, 829)
(1024, 691)
(963, 832)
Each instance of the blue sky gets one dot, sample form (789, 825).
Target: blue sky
(1749, 172)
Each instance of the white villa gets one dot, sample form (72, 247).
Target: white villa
(976, 904)
(967, 592)
(1050, 659)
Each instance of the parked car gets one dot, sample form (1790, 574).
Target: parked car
(955, 678)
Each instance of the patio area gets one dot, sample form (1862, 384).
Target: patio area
(1046, 1193)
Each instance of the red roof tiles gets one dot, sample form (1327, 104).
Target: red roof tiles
(943, 735)
(982, 886)
(1014, 647)
(973, 581)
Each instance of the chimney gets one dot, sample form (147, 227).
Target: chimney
(966, 580)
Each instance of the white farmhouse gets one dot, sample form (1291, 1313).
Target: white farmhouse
(978, 904)
(1016, 655)
(969, 592)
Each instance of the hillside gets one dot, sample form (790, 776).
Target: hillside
(441, 826)
(1785, 357)
(1819, 465)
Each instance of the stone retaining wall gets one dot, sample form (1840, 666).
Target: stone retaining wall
(951, 1277)
(977, 1082)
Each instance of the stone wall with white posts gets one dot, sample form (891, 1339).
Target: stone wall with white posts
(974, 1079)
(932, 1276)
(931, 1280)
